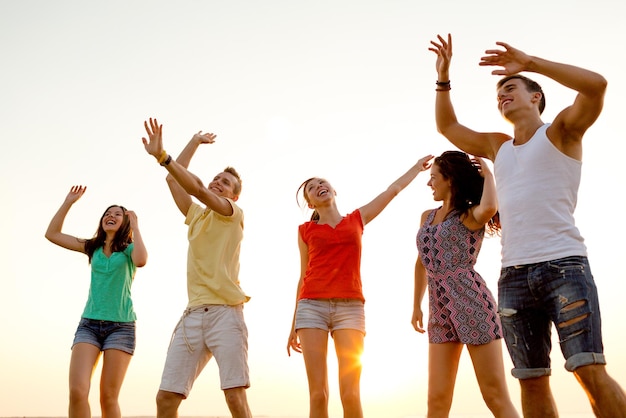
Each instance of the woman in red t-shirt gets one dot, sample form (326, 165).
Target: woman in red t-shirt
(329, 299)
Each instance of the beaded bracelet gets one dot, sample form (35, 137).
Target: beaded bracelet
(443, 86)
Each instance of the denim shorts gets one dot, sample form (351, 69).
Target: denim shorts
(106, 335)
(532, 297)
(202, 333)
(330, 314)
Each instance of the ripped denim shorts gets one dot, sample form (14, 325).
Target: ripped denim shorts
(532, 297)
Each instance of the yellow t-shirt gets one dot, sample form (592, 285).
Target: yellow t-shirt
(213, 257)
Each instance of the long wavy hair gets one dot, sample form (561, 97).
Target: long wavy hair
(122, 239)
(466, 184)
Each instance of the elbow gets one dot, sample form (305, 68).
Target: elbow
(444, 128)
(598, 86)
(141, 261)
(394, 190)
(49, 236)
(602, 83)
(490, 211)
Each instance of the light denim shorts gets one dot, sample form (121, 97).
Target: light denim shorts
(532, 297)
(204, 332)
(106, 335)
(330, 314)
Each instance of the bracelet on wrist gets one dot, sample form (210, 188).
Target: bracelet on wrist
(162, 156)
(443, 86)
(167, 161)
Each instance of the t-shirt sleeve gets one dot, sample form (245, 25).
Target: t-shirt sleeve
(192, 212)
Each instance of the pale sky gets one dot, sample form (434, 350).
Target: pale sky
(341, 89)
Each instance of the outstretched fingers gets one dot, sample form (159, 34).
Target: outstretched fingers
(511, 60)
(154, 142)
(442, 45)
(75, 193)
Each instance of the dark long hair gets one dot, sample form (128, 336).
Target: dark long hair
(466, 184)
(123, 237)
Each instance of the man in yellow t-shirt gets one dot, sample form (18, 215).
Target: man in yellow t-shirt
(213, 322)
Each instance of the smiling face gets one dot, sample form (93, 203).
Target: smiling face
(518, 92)
(113, 219)
(439, 184)
(317, 192)
(225, 185)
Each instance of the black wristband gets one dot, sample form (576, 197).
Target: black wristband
(167, 160)
(443, 83)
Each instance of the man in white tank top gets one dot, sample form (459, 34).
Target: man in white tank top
(545, 275)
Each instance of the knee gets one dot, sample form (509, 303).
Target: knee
(496, 400)
(236, 399)
(351, 396)
(79, 393)
(166, 400)
(591, 375)
(319, 397)
(439, 401)
(108, 400)
(536, 386)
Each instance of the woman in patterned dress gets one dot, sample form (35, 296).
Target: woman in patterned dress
(462, 309)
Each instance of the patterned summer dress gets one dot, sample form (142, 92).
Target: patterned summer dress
(462, 309)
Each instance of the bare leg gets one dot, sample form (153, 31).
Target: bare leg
(605, 394)
(489, 369)
(168, 403)
(537, 400)
(84, 360)
(114, 366)
(443, 364)
(237, 402)
(349, 348)
(314, 344)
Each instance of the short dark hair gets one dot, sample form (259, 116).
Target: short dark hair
(531, 86)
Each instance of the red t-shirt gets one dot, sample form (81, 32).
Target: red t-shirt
(334, 268)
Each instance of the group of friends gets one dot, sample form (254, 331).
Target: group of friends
(529, 200)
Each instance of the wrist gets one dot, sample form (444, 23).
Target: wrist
(443, 85)
(166, 161)
(161, 157)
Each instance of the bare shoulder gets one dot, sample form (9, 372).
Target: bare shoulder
(568, 141)
(425, 216)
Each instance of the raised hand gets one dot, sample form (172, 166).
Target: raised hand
(424, 162)
(482, 166)
(443, 49)
(511, 59)
(75, 193)
(207, 138)
(154, 143)
(132, 219)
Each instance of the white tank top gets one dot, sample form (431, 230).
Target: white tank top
(537, 189)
